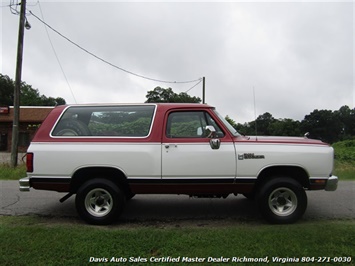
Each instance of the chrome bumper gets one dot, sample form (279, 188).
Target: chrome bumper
(24, 184)
(332, 183)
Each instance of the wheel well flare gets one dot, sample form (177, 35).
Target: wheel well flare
(110, 173)
(295, 172)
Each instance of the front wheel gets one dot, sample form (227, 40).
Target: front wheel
(282, 201)
(99, 201)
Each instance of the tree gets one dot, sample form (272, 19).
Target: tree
(347, 118)
(6, 90)
(161, 95)
(231, 121)
(329, 126)
(322, 124)
(264, 122)
(285, 127)
(28, 97)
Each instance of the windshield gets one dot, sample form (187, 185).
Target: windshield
(231, 129)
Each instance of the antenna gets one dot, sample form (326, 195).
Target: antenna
(256, 128)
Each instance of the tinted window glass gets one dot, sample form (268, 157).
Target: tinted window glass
(190, 125)
(121, 121)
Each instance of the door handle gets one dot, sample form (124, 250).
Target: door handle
(167, 146)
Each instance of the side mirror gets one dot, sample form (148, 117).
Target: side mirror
(211, 132)
(215, 143)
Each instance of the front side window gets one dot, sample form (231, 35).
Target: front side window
(190, 125)
(113, 121)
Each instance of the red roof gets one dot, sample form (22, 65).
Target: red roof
(30, 114)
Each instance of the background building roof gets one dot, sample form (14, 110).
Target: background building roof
(30, 114)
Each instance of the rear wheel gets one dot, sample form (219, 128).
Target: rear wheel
(282, 200)
(99, 201)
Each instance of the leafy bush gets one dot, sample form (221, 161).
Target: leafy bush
(345, 150)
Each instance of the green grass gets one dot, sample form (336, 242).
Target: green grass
(344, 170)
(42, 241)
(345, 159)
(9, 173)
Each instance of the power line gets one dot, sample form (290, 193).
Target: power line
(13, 9)
(194, 86)
(55, 53)
(15, 6)
(105, 61)
(9, 5)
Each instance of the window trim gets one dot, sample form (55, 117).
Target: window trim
(104, 137)
(205, 113)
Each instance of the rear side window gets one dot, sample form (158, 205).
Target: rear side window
(113, 121)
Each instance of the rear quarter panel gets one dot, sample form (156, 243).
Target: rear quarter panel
(63, 159)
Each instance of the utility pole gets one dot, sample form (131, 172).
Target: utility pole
(203, 91)
(15, 124)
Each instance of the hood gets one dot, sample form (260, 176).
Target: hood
(281, 140)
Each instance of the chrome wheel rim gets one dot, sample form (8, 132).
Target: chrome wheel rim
(98, 202)
(282, 201)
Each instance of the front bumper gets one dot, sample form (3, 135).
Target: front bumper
(332, 183)
(24, 184)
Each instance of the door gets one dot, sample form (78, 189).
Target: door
(187, 155)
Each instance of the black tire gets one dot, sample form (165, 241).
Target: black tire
(282, 200)
(70, 127)
(99, 201)
(250, 195)
(129, 195)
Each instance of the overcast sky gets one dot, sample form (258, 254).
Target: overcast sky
(298, 56)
